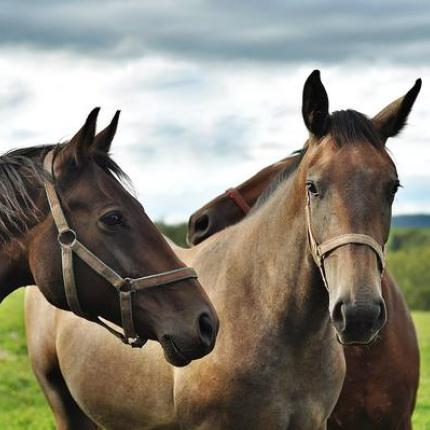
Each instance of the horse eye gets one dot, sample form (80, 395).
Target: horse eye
(312, 189)
(394, 188)
(112, 218)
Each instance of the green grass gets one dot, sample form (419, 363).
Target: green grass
(422, 410)
(22, 405)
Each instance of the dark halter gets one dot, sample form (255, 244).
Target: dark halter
(126, 287)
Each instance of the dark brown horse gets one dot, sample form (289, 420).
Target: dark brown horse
(382, 379)
(116, 246)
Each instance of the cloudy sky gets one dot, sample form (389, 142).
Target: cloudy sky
(210, 91)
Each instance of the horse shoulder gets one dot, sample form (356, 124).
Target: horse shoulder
(40, 327)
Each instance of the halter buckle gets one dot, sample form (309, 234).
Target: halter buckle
(127, 286)
(67, 238)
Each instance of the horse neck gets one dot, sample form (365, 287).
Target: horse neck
(269, 270)
(14, 268)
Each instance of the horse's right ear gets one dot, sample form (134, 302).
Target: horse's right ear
(315, 105)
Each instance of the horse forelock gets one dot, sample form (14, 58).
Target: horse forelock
(349, 126)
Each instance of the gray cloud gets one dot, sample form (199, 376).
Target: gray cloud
(13, 95)
(228, 140)
(271, 31)
(231, 136)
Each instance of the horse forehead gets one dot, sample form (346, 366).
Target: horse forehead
(95, 183)
(359, 159)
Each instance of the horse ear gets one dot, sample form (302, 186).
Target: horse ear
(103, 140)
(393, 118)
(80, 144)
(315, 105)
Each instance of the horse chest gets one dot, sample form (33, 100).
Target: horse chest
(115, 390)
(276, 394)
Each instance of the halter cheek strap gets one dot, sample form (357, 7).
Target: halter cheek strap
(126, 287)
(319, 252)
(233, 194)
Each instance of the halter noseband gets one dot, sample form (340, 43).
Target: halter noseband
(126, 287)
(234, 194)
(320, 251)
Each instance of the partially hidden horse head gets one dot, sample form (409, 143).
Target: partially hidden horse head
(68, 225)
(231, 206)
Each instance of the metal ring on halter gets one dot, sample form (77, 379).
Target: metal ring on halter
(127, 286)
(66, 242)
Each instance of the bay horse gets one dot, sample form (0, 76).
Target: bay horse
(382, 379)
(59, 202)
(290, 282)
(381, 382)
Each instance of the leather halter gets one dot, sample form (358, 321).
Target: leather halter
(319, 252)
(233, 194)
(126, 287)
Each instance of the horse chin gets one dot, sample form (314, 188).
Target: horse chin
(344, 341)
(172, 353)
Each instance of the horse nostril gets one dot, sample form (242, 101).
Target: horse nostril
(201, 224)
(337, 314)
(382, 313)
(206, 329)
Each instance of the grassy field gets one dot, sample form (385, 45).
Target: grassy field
(422, 410)
(22, 405)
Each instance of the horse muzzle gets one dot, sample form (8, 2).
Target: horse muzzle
(358, 324)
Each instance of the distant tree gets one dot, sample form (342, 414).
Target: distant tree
(408, 238)
(411, 270)
(175, 232)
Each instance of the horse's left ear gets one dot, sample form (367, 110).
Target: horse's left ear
(393, 118)
(103, 140)
(315, 105)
